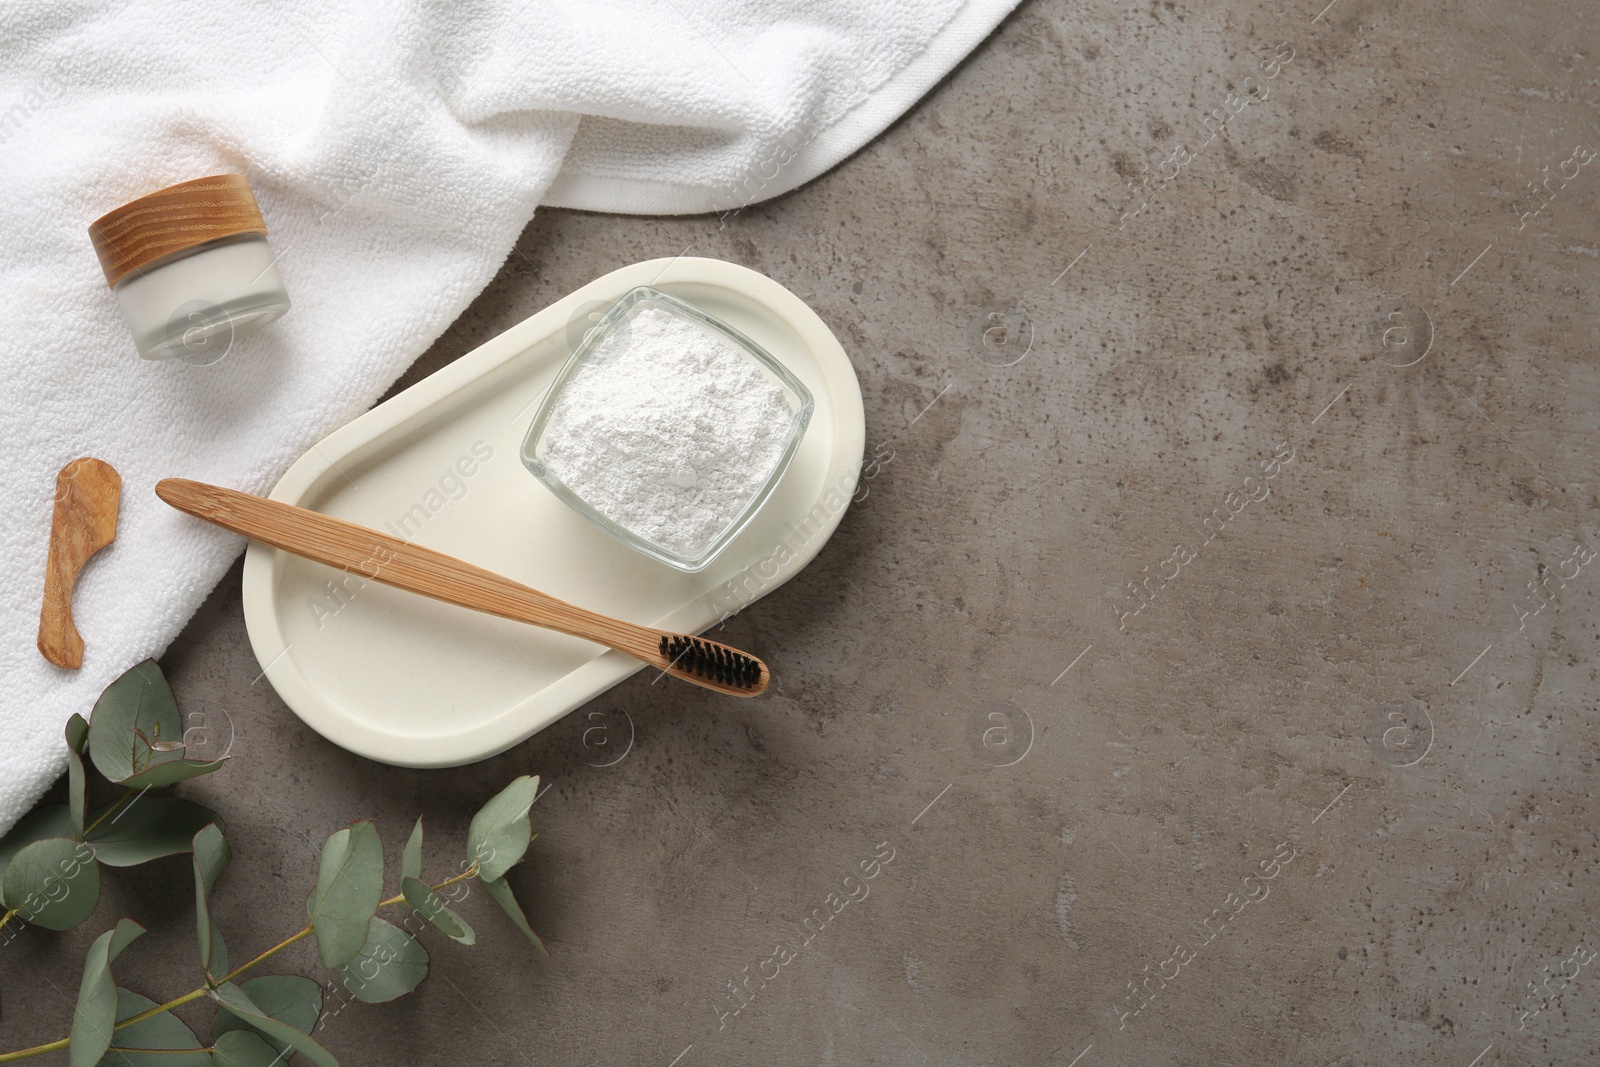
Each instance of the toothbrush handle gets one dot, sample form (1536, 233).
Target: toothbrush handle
(380, 557)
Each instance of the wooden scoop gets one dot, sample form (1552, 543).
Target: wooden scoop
(88, 493)
(382, 558)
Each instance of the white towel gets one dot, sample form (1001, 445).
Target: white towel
(397, 150)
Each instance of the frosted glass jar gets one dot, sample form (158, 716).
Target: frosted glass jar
(191, 267)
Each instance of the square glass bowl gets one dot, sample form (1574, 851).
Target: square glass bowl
(535, 447)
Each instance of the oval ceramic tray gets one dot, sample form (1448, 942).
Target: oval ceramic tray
(407, 680)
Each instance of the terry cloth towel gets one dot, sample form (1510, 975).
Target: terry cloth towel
(397, 150)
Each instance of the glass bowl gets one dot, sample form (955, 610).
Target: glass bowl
(536, 446)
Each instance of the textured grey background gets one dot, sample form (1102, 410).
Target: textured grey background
(1344, 671)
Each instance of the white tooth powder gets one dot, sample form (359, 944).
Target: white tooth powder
(668, 431)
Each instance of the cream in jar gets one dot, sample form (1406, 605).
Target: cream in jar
(191, 267)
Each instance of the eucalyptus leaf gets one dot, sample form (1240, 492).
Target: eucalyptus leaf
(170, 771)
(508, 903)
(422, 896)
(500, 832)
(47, 820)
(211, 855)
(288, 998)
(77, 733)
(391, 964)
(173, 1043)
(119, 1056)
(238, 1001)
(96, 1013)
(135, 712)
(245, 1048)
(146, 828)
(411, 858)
(349, 883)
(53, 883)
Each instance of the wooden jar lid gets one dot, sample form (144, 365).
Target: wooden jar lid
(172, 219)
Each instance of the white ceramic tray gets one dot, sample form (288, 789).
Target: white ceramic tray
(407, 680)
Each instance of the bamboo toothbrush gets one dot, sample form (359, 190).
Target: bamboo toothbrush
(382, 558)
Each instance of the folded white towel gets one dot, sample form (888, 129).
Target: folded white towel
(397, 150)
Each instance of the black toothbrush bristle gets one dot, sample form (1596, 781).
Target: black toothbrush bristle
(713, 662)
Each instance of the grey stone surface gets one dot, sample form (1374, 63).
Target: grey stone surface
(1337, 675)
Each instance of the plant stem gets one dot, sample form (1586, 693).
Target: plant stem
(470, 872)
(7, 917)
(196, 994)
(37, 1050)
(279, 947)
(115, 804)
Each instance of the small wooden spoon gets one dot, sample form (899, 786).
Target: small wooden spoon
(382, 558)
(88, 492)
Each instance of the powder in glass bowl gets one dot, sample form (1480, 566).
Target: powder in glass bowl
(668, 431)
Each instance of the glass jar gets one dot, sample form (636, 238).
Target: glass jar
(617, 324)
(191, 267)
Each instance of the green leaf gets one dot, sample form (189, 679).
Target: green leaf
(500, 832)
(96, 1013)
(170, 770)
(238, 1001)
(211, 855)
(411, 858)
(47, 820)
(175, 1043)
(245, 1048)
(53, 883)
(117, 1056)
(349, 883)
(508, 903)
(135, 712)
(390, 965)
(77, 733)
(288, 998)
(430, 906)
(146, 828)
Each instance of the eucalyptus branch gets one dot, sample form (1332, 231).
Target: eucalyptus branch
(50, 865)
(196, 994)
